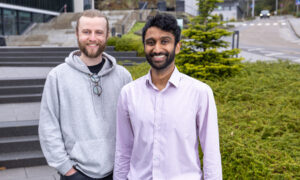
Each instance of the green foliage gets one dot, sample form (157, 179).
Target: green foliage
(139, 70)
(112, 41)
(259, 125)
(259, 122)
(129, 41)
(201, 56)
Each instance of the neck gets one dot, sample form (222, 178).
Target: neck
(91, 61)
(160, 78)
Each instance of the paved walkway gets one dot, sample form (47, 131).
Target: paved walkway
(30, 173)
(30, 111)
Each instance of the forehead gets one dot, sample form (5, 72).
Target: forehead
(157, 33)
(92, 22)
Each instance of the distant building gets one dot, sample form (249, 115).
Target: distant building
(17, 16)
(230, 9)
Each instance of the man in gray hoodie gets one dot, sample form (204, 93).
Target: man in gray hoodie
(78, 109)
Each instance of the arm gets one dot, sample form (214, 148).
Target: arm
(124, 140)
(50, 135)
(208, 133)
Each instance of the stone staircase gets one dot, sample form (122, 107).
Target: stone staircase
(60, 31)
(52, 56)
(19, 144)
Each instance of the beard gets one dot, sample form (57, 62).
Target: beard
(91, 54)
(169, 59)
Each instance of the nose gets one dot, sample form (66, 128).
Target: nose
(157, 48)
(92, 37)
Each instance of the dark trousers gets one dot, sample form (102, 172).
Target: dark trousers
(80, 176)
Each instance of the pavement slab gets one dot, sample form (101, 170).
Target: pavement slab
(19, 111)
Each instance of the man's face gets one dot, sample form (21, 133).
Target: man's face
(160, 48)
(92, 36)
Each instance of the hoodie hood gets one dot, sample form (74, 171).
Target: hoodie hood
(75, 62)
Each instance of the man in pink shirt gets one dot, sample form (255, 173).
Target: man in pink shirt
(162, 116)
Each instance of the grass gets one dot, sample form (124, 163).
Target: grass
(259, 120)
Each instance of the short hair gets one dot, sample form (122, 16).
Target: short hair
(93, 13)
(165, 22)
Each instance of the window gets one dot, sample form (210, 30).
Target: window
(10, 22)
(24, 21)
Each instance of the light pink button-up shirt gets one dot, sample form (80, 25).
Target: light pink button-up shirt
(158, 131)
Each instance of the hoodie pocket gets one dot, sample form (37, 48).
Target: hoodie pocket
(94, 156)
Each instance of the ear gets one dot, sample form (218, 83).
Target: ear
(177, 47)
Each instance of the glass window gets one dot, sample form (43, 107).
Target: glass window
(10, 22)
(47, 17)
(37, 17)
(1, 32)
(24, 21)
(87, 4)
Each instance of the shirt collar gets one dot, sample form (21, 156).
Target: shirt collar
(174, 79)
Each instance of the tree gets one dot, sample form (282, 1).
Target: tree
(204, 54)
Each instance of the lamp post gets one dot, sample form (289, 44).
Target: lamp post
(276, 7)
(253, 7)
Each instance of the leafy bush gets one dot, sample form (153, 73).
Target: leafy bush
(259, 124)
(112, 41)
(129, 41)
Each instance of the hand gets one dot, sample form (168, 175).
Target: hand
(71, 172)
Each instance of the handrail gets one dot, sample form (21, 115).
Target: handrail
(144, 7)
(63, 9)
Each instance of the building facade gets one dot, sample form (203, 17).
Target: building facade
(229, 9)
(17, 15)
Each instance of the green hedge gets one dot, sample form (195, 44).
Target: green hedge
(259, 120)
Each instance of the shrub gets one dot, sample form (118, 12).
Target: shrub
(112, 41)
(201, 56)
(129, 41)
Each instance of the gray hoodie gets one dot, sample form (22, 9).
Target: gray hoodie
(77, 127)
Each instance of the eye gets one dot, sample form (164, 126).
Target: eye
(85, 32)
(99, 32)
(164, 41)
(150, 43)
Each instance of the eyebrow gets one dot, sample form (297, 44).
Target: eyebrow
(163, 37)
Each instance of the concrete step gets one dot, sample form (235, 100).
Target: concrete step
(62, 54)
(22, 159)
(130, 60)
(30, 64)
(18, 128)
(20, 98)
(11, 90)
(33, 59)
(22, 82)
(19, 144)
(58, 59)
(44, 49)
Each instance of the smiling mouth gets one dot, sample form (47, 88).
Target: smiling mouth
(159, 57)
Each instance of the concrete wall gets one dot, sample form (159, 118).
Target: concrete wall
(227, 14)
(229, 11)
(191, 7)
(79, 5)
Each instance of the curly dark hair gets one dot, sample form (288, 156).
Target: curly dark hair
(165, 22)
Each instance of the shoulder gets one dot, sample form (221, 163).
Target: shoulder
(122, 70)
(195, 84)
(58, 69)
(135, 85)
